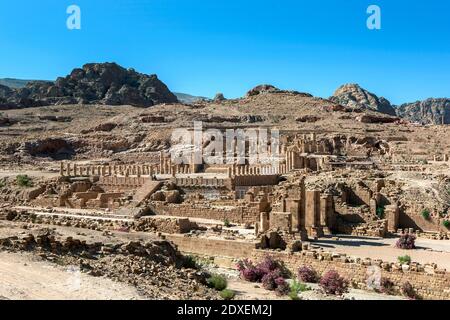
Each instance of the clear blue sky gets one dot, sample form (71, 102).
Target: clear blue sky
(206, 46)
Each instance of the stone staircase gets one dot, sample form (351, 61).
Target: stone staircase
(147, 189)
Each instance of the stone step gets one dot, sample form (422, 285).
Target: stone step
(147, 189)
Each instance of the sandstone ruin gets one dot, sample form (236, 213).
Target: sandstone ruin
(344, 176)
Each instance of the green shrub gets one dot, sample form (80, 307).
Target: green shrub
(190, 262)
(404, 259)
(380, 212)
(226, 223)
(227, 294)
(217, 282)
(293, 295)
(24, 181)
(446, 224)
(426, 214)
(297, 287)
(2, 183)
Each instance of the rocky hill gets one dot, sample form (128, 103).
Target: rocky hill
(95, 83)
(352, 95)
(430, 111)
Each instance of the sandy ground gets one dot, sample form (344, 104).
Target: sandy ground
(428, 251)
(30, 173)
(251, 291)
(24, 277)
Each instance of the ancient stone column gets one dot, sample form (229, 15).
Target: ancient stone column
(292, 161)
(138, 173)
(312, 216)
(326, 212)
(392, 216)
(61, 169)
(161, 160)
(264, 221)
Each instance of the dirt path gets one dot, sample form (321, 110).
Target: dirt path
(24, 277)
(428, 251)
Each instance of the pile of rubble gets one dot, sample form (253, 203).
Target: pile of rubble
(155, 268)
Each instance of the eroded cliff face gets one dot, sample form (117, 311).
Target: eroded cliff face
(430, 111)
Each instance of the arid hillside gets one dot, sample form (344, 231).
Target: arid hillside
(99, 131)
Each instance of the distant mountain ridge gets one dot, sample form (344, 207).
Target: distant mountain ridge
(429, 111)
(14, 83)
(108, 83)
(187, 98)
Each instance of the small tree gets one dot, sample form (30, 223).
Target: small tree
(446, 224)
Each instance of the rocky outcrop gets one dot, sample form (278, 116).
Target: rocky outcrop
(219, 97)
(430, 111)
(268, 88)
(352, 95)
(54, 148)
(264, 88)
(95, 83)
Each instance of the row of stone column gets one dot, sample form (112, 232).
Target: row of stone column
(199, 182)
(247, 170)
(74, 170)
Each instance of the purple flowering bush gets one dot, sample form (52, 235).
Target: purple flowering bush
(386, 286)
(283, 287)
(307, 274)
(408, 290)
(248, 271)
(406, 241)
(269, 280)
(269, 272)
(333, 283)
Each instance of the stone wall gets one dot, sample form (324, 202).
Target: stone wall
(429, 284)
(428, 281)
(239, 214)
(213, 247)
